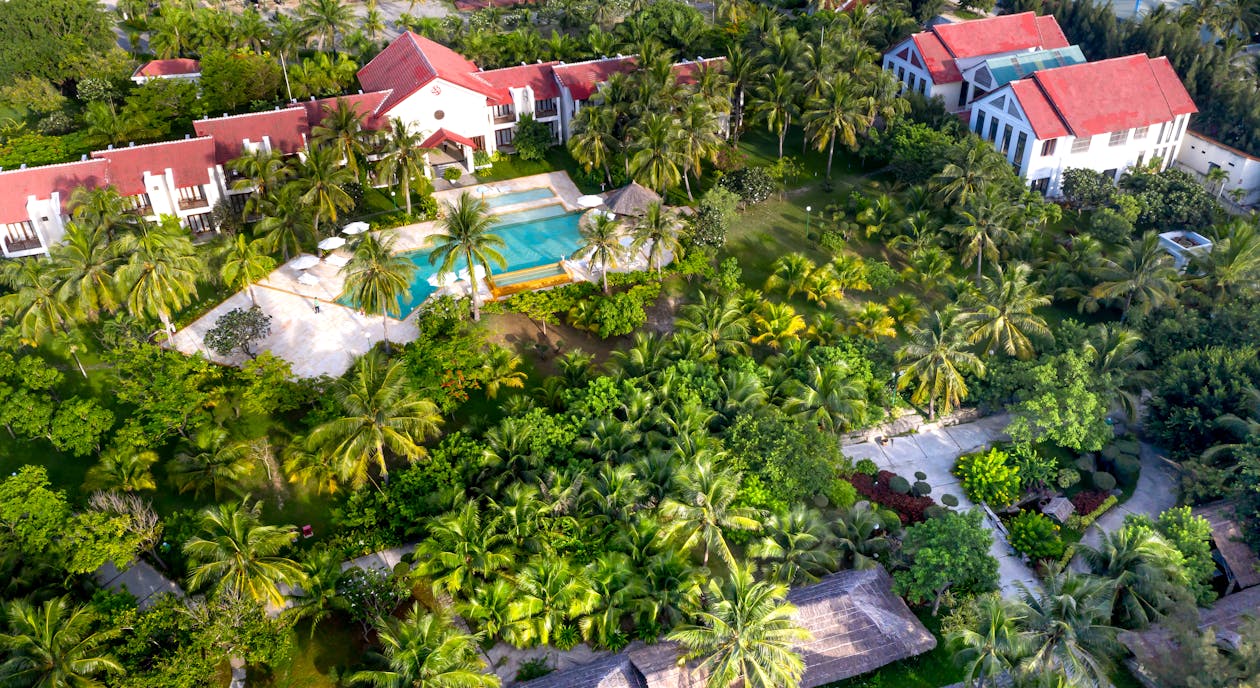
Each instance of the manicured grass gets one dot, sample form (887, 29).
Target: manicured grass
(335, 650)
(929, 670)
(557, 160)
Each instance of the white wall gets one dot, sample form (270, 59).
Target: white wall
(464, 111)
(1199, 153)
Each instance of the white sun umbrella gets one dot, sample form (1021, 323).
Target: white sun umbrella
(355, 228)
(305, 262)
(442, 279)
(479, 270)
(590, 201)
(308, 279)
(332, 243)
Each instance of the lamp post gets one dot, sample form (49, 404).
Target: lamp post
(807, 211)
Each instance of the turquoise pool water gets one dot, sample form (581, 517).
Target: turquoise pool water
(531, 238)
(520, 197)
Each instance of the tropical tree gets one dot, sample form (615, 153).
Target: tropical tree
(797, 545)
(463, 550)
(245, 262)
(656, 230)
(321, 572)
(776, 101)
(501, 368)
(995, 645)
(601, 243)
(402, 158)
(984, 227)
(747, 634)
(1142, 275)
(935, 361)
(160, 276)
(54, 646)
(377, 278)
(123, 469)
(698, 140)
(777, 324)
(705, 510)
(261, 171)
(287, 224)
(343, 129)
(325, 19)
(594, 142)
(320, 179)
(550, 594)
(35, 305)
(1232, 264)
(828, 396)
(655, 151)
(1143, 570)
(102, 207)
(426, 650)
(467, 235)
(859, 536)
(211, 461)
(1067, 622)
(235, 555)
(841, 112)
(85, 264)
(960, 181)
(379, 417)
(1003, 315)
(722, 326)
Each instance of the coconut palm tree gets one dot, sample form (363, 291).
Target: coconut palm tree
(828, 397)
(377, 278)
(960, 181)
(102, 207)
(160, 276)
(245, 262)
(995, 645)
(1119, 359)
(859, 536)
(656, 230)
(594, 142)
(935, 361)
(343, 129)
(698, 139)
(1068, 628)
(841, 112)
(777, 324)
(85, 263)
(463, 549)
(792, 273)
(235, 555)
(402, 159)
(776, 101)
(983, 228)
(601, 243)
(54, 646)
(705, 510)
(743, 69)
(873, 321)
(1143, 571)
(211, 461)
(746, 636)
(467, 235)
(501, 368)
(36, 305)
(1233, 262)
(123, 469)
(325, 19)
(321, 572)
(550, 594)
(287, 224)
(426, 650)
(320, 179)
(1142, 275)
(721, 325)
(655, 151)
(797, 545)
(1003, 315)
(263, 172)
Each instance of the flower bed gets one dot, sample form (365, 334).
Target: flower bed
(910, 509)
(1087, 501)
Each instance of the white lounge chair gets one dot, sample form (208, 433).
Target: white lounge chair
(337, 260)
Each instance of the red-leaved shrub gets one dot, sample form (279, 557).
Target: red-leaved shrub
(908, 507)
(1088, 500)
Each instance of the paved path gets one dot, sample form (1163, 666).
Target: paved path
(139, 580)
(933, 450)
(1156, 492)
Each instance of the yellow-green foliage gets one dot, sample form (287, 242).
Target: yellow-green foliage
(989, 477)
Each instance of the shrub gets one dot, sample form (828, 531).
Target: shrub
(1127, 469)
(714, 214)
(899, 485)
(533, 668)
(988, 477)
(1086, 463)
(1035, 535)
(532, 138)
(1080, 521)
(752, 184)
(949, 500)
(56, 123)
(920, 475)
(841, 493)
(1088, 500)
(1067, 477)
(920, 488)
(880, 275)
(909, 509)
(866, 467)
(452, 173)
(1103, 481)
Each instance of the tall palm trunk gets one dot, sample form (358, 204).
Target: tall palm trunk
(605, 269)
(783, 135)
(385, 330)
(472, 276)
(406, 184)
(831, 150)
(687, 182)
(979, 266)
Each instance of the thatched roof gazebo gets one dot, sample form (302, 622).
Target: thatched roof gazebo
(631, 200)
(1241, 562)
(858, 625)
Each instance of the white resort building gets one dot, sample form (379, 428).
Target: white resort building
(456, 107)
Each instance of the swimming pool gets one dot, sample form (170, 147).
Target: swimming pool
(531, 238)
(514, 197)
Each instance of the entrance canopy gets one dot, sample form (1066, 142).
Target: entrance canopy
(445, 135)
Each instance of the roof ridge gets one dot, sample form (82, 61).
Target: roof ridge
(28, 168)
(118, 149)
(412, 36)
(285, 108)
(599, 59)
(1049, 100)
(1158, 83)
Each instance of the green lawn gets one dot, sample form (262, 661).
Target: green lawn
(319, 661)
(557, 160)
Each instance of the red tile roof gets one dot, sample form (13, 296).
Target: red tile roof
(168, 68)
(287, 128)
(686, 72)
(1040, 113)
(16, 186)
(189, 161)
(410, 62)
(539, 77)
(944, 43)
(367, 104)
(582, 78)
(442, 135)
(1113, 95)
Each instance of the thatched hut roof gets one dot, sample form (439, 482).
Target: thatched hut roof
(1244, 565)
(631, 200)
(858, 625)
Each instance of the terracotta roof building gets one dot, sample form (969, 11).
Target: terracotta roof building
(180, 68)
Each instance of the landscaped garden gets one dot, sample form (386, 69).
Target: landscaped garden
(628, 459)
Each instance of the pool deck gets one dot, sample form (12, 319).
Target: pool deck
(327, 342)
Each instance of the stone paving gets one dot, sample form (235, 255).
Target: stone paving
(140, 580)
(1155, 493)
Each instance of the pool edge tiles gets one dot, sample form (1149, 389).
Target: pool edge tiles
(537, 193)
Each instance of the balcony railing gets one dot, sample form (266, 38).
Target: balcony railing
(505, 119)
(12, 245)
(190, 203)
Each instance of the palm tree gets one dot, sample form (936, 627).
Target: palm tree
(723, 327)
(377, 278)
(342, 129)
(321, 572)
(160, 277)
(959, 182)
(550, 594)
(287, 223)
(842, 112)
(1143, 275)
(123, 469)
(873, 321)
(776, 101)
(706, 509)
(262, 171)
(746, 636)
(828, 396)
(655, 151)
(54, 646)
(402, 159)
(791, 273)
(1119, 357)
(379, 417)
(593, 143)
(996, 644)
(698, 139)
(1004, 315)
(467, 224)
(326, 19)
(617, 590)
(656, 230)
(1067, 625)
(797, 544)
(1217, 178)
(36, 305)
(983, 229)
(102, 207)
(859, 536)
(211, 461)
(501, 368)
(425, 650)
(235, 555)
(777, 324)
(320, 179)
(85, 263)
(601, 242)
(1143, 571)
(244, 263)
(463, 549)
(744, 69)
(935, 360)
(1233, 262)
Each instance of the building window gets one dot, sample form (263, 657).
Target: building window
(1007, 133)
(1163, 129)
(200, 224)
(1181, 128)
(1020, 144)
(923, 86)
(962, 94)
(993, 128)
(1119, 138)
(1047, 147)
(1041, 186)
(901, 74)
(439, 114)
(1081, 144)
(502, 111)
(1110, 174)
(503, 137)
(1140, 133)
(546, 106)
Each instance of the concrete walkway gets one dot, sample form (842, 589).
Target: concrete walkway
(1156, 492)
(933, 450)
(140, 580)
